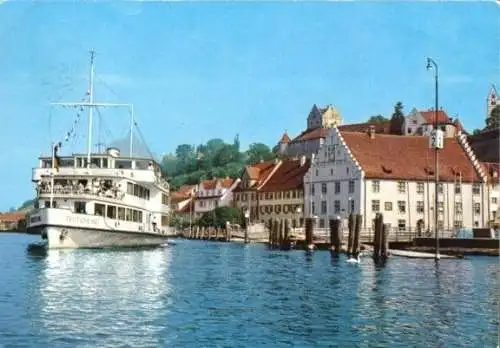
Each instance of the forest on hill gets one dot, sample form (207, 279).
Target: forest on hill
(216, 158)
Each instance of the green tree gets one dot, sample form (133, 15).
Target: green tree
(225, 155)
(219, 216)
(397, 119)
(257, 152)
(378, 119)
(493, 122)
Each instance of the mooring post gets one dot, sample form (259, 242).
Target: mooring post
(350, 240)
(309, 234)
(357, 232)
(276, 229)
(385, 241)
(376, 237)
(286, 239)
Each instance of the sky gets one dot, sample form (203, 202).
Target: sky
(201, 70)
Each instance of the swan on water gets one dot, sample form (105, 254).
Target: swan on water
(353, 260)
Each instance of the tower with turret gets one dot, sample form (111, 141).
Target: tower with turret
(492, 101)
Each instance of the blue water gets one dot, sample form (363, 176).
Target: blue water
(203, 294)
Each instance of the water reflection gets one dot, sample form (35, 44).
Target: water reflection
(111, 294)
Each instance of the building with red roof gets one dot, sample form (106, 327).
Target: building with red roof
(371, 173)
(421, 122)
(273, 190)
(10, 221)
(214, 193)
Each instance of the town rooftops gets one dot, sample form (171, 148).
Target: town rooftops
(283, 175)
(288, 176)
(408, 157)
(12, 216)
(284, 138)
(430, 115)
(212, 183)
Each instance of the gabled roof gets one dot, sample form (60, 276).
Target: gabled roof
(284, 138)
(288, 176)
(430, 115)
(310, 134)
(257, 172)
(381, 127)
(212, 184)
(408, 157)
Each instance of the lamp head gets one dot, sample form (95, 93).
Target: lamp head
(429, 64)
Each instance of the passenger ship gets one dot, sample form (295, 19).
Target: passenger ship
(99, 199)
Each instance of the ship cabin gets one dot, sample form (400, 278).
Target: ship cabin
(114, 187)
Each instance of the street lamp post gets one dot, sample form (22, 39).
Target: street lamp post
(436, 143)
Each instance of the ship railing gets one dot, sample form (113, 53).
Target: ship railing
(78, 191)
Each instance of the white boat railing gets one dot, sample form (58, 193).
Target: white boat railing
(112, 193)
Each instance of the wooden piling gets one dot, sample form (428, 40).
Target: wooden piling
(357, 232)
(385, 241)
(286, 237)
(309, 233)
(335, 237)
(350, 241)
(270, 239)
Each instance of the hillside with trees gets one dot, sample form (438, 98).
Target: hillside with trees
(192, 163)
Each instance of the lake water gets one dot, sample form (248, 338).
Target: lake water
(204, 294)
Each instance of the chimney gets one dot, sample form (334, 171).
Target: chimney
(302, 161)
(371, 131)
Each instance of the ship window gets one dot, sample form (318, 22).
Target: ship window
(80, 208)
(135, 216)
(99, 209)
(140, 216)
(111, 213)
(130, 188)
(47, 204)
(121, 213)
(128, 215)
(123, 164)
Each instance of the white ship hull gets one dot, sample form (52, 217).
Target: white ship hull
(70, 237)
(62, 229)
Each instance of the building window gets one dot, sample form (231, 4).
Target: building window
(440, 188)
(476, 189)
(331, 172)
(402, 225)
(388, 206)
(321, 223)
(323, 207)
(457, 224)
(440, 207)
(313, 208)
(337, 187)
(351, 186)
(312, 189)
(494, 200)
(323, 188)
(420, 207)
(477, 208)
(352, 206)
(440, 224)
(401, 186)
(375, 205)
(420, 188)
(458, 189)
(375, 186)
(402, 206)
(336, 205)
(458, 208)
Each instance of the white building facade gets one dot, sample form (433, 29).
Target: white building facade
(214, 193)
(369, 173)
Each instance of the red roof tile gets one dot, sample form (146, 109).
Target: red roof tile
(408, 157)
(288, 176)
(430, 115)
(212, 184)
(310, 134)
(383, 127)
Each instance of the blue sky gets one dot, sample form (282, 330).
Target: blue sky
(196, 71)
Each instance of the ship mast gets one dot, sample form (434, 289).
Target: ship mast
(91, 104)
(91, 109)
